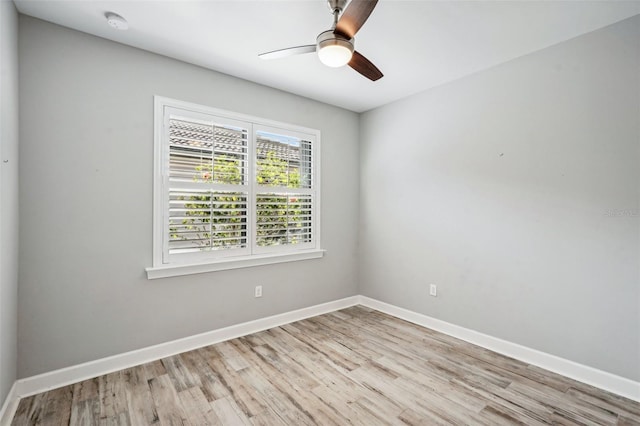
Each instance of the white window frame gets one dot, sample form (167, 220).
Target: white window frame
(254, 255)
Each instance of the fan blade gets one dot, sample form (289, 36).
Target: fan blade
(289, 51)
(354, 17)
(365, 67)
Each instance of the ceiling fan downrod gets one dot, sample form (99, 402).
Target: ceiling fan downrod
(336, 7)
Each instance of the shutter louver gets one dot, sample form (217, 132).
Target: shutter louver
(206, 220)
(208, 197)
(285, 163)
(285, 197)
(206, 152)
(283, 219)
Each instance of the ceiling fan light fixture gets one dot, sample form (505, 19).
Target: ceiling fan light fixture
(335, 55)
(334, 51)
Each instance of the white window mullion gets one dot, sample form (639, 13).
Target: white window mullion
(164, 171)
(215, 187)
(284, 190)
(252, 189)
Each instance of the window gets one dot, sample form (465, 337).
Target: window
(231, 191)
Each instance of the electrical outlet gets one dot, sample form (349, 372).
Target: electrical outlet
(433, 290)
(258, 291)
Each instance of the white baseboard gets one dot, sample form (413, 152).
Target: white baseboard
(582, 373)
(9, 407)
(66, 376)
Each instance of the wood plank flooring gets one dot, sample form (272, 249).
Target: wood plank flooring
(355, 366)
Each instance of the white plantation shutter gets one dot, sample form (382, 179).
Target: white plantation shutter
(206, 152)
(283, 219)
(285, 195)
(283, 161)
(208, 191)
(201, 220)
(231, 188)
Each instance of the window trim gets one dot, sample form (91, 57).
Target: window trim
(160, 269)
(226, 263)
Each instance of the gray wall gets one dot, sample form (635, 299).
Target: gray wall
(8, 195)
(86, 151)
(516, 191)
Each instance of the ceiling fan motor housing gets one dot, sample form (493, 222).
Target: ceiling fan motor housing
(329, 38)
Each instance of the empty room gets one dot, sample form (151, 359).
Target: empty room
(312, 212)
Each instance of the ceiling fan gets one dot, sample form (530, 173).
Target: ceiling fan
(335, 47)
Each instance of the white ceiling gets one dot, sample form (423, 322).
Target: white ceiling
(416, 44)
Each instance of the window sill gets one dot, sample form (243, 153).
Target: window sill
(231, 263)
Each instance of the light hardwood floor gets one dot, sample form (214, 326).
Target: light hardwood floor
(354, 366)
